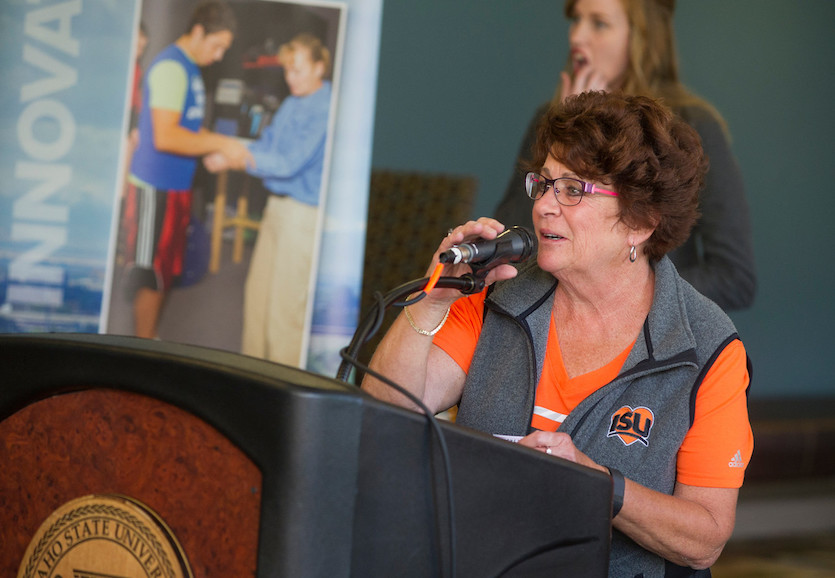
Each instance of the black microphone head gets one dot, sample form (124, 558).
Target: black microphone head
(514, 245)
(524, 243)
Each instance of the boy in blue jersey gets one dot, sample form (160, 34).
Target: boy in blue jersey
(171, 139)
(289, 158)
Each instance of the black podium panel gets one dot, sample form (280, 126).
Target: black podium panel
(517, 512)
(351, 486)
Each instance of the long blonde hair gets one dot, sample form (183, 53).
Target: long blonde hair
(653, 61)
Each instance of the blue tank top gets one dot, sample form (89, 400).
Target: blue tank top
(166, 170)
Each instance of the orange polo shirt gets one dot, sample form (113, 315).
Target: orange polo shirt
(715, 450)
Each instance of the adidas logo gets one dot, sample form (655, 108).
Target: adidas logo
(736, 461)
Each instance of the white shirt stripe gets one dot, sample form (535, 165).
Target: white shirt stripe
(548, 414)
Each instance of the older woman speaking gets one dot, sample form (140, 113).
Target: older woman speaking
(597, 351)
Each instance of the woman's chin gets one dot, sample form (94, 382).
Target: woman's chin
(550, 262)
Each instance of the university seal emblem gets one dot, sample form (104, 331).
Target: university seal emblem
(104, 536)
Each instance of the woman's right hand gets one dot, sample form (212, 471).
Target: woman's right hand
(483, 228)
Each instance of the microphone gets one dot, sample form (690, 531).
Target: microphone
(512, 246)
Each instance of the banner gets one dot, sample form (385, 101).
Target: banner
(65, 153)
(62, 108)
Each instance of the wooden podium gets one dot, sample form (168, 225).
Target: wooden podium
(258, 469)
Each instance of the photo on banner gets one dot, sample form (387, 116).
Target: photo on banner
(251, 234)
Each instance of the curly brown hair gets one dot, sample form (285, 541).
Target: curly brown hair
(652, 158)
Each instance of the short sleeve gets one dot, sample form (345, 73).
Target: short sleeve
(719, 445)
(167, 85)
(460, 333)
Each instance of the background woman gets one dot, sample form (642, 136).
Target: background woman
(598, 351)
(629, 45)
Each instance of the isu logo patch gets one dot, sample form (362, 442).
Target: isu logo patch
(632, 425)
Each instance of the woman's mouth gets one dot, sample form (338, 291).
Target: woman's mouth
(578, 61)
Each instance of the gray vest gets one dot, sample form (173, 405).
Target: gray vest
(637, 422)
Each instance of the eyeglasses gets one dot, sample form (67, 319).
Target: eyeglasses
(568, 192)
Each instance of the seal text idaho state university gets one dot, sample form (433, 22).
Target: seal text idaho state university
(104, 535)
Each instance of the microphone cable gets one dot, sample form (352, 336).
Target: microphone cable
(369, 326)
(468, 283)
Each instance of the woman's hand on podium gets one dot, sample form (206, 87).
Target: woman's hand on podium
(559, 444)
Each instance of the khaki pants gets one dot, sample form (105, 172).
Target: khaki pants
(278, 283)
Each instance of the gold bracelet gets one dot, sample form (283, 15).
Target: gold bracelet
(424, 331)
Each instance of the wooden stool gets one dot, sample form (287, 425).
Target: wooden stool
(240, 221)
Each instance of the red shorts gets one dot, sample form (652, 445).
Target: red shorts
(154, 226)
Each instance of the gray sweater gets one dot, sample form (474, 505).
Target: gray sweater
(637, 422)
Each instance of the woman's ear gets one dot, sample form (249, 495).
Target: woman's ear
(639, 235)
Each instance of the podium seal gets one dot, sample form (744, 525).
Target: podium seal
(104, 536)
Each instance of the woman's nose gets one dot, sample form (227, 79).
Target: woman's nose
(547, 203)
(577, 32)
